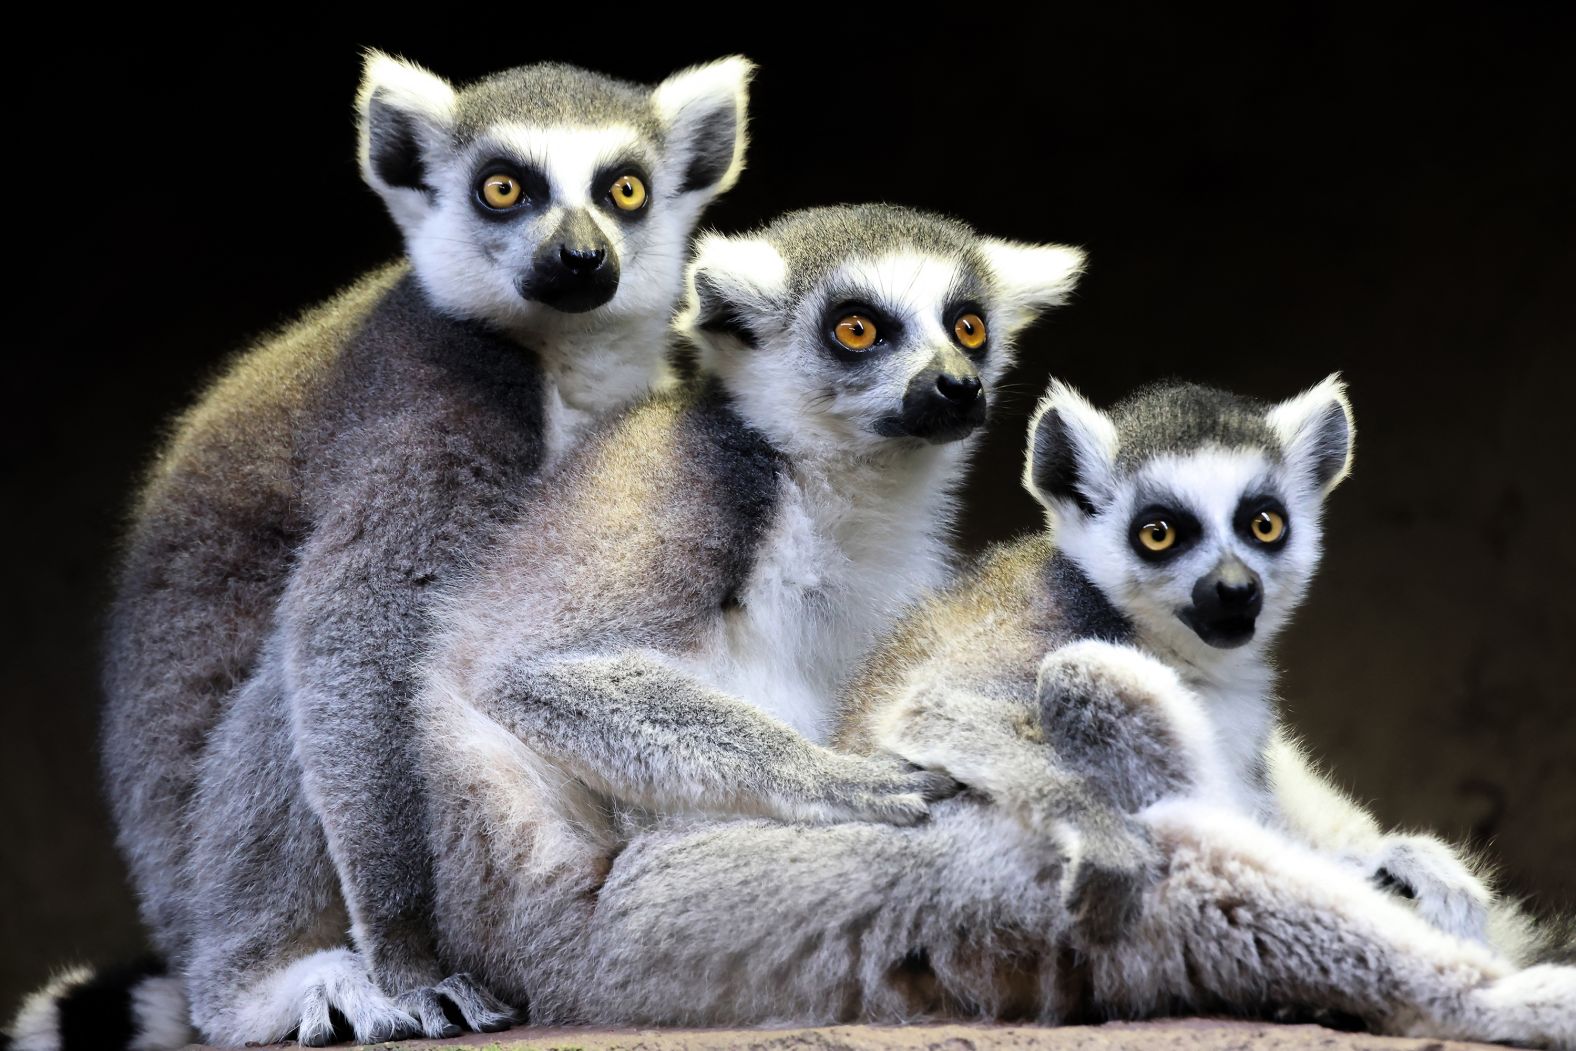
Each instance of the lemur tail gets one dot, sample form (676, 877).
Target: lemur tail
(135, 1007)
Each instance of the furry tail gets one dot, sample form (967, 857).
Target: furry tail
(135, 1008)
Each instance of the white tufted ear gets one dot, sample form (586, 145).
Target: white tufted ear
(733, 285)
(1072, 452)
(403, 111)
(1318, 432)
(703, 109)
(1029, 278)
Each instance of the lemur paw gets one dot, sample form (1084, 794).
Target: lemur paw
(469, 999)
(884, 790)
(1108, 872)
(335, 983)
(1531, 1008)
(1444, 891)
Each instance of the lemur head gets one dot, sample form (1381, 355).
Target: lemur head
(548, 190)
(845, 328)
(1195, 511)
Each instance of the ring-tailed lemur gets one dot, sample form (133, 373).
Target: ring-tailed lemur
(1106, 862)
(666, 626)
(347, 466)
(1185, 530)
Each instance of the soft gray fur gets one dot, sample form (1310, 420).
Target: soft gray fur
(664, 627)
(1105, 861)
(341, 471)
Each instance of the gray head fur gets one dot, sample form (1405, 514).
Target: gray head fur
(1196, 511)
(565, 236)
(764, 310)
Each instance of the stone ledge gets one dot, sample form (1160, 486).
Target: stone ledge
(1193, 1034)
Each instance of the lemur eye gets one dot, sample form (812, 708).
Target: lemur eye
(970, 331)
(1157, 535)
(629, 193)
(1267, 527)
(855, 332)
(501, 191)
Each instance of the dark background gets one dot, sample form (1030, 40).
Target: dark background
(1263, 203)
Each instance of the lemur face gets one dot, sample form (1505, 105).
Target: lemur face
(547, 190)
(854, 326)
(1196, 512)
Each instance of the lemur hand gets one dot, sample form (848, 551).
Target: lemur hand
(1446, 893)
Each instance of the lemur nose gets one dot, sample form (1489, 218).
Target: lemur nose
(959, 391)
(581, 260)
(1237, 596)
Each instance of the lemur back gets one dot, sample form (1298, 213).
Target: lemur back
(304, 510)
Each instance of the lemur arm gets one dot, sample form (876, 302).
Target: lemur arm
(993, 744)
(405, 513)
(636, 728)
(1423, 868)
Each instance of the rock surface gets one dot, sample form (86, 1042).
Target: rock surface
(1196, 1034)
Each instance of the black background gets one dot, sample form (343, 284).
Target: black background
(1263, 203)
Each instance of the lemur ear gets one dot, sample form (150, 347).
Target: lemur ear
(1317, 431)
(703, 109)
(402, 110)
(733, 285)
(1072, 452)
(1029, 278)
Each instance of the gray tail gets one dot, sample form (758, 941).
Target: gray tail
(113, 1009)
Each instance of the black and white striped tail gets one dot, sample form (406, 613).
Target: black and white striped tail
(128, 1008)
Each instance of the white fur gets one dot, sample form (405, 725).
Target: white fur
(1094, 439)
(852, 544)
(301, 994)
(426, 98)
(158, 1009)
(692, 95)
(1296, 422)
(1031, 277)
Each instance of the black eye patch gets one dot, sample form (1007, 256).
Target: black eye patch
(1158, 533)
(535, 191)
(1264, 521)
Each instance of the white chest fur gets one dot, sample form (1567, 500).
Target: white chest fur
(845, 553)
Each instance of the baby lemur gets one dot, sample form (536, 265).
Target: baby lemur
(1185, 530)
(289, 535)
(1102, 690)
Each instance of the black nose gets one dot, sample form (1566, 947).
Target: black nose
(581, 260)
(1242, 596)
(961, 391)
(1226, 604)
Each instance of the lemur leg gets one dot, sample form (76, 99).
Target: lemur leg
(1419, 868)
(998, 750)
(354, 623)
(270, 953)
(647, 733)
(743, 922)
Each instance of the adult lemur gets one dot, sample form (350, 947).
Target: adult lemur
(1101, 692)
(290, 532)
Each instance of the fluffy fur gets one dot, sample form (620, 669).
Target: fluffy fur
(289, 536)
(665, 627)
(1106, 860)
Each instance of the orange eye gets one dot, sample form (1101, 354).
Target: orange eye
(1267, 527)
(501, 191)
(1157, 535)
(855, 332)
(970, 331)
(629, 193)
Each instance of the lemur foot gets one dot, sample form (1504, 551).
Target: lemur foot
(883, 789)
(1109, 870)
(1531, 1008)
(335, 982)
(1444, 891)
(468, 998)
